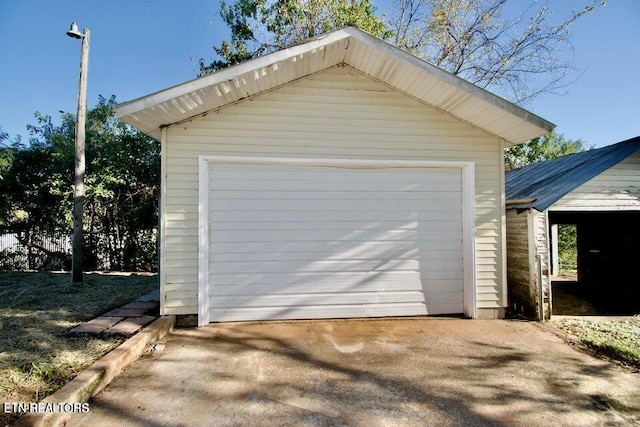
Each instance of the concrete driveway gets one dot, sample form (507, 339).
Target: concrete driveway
(412, 372)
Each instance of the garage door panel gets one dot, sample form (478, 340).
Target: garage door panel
(397, 282)
(370, 254)
(317, 242)
(235, 188)
(336, 266)
(276, 251)
(444, 192)
(332, 236)
(285, 278)
(343, 298)
(313, 225)
(308, 279)
(336, 247)
(314, 266)
(431, 213)
(287, 174)
(355, 206)
(332, 312)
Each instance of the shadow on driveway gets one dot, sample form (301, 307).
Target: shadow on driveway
(411, 372)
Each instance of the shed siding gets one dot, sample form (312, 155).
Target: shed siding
(540, 234)
(616, 189)
(338, 113)
(527, 237)
(517, 248)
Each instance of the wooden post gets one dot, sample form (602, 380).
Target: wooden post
(540, 289)
(555, 260)
(78, 192)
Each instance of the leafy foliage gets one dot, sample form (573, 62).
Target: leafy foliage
(567, 249)
(259, 27)
(6, 153)
(122, 181)
(542, 148)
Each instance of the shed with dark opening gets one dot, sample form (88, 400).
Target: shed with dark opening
(598, 192)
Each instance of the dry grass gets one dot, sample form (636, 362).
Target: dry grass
(36, 310)
(617, 339)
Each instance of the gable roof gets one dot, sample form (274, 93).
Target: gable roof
(540, 185)
(362, 51)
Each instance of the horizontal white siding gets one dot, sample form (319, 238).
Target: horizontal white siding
(361, 119)
(616, 189)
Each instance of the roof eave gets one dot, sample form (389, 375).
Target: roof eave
(525, 126)
(226, 74)
(456, 81)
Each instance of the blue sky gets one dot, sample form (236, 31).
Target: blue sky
(139, 47)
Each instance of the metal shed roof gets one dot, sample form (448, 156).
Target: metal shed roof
(364, 52)
(540, 185)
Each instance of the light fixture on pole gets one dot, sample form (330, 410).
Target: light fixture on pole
(78, 188)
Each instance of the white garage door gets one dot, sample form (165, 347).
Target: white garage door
(303, 242)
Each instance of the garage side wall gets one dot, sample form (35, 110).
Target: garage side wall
(338, 113)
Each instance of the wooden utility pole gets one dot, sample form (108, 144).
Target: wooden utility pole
(78, 192)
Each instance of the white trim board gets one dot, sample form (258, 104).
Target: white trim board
(468, 214)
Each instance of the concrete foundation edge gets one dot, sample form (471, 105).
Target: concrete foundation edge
(490, 313)
(96, 377)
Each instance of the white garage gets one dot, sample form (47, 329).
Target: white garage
(341, 177)
(292, 239)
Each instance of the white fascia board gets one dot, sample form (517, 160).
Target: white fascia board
(227, 74)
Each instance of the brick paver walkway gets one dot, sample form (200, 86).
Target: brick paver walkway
(125, 320)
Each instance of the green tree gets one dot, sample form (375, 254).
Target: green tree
(540, 149)
(122, 179)
(6, 154)
(515, 54)
(30, 197)
(567, 249)
(123, 187)
(259, 27)
(6, 158)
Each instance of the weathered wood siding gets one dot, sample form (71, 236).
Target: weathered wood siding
(518, 248)
(527, 238)
(616, 189)
(540, 235)
(338, 113)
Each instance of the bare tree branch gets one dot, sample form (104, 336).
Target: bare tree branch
(517, 57)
